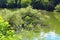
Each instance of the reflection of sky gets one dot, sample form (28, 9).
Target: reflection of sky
(44, 36)
(49, 36)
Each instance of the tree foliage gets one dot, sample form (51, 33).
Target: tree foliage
(36, 4)
(25, 3)
(57, 8)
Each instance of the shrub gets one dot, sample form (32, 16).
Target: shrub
(3, 25)
(5, 33)
(24, 18)
(57, 8)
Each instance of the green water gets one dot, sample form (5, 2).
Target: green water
(55, 21)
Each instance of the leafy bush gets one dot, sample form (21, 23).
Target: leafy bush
(3, 25)
(57, 8)
(6, 33)
(24, 18)
(6, 14)
(31, 17)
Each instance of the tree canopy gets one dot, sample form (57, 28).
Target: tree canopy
(36, 4)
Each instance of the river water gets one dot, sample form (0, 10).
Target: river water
(51, 35)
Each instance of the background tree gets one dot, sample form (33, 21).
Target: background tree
(19, 3)
(13, 3)
(2, 3)
(10, 3)
(25, 3)
(45, 4)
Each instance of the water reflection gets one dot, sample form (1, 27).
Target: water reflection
(43, 36)
(49, 36)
